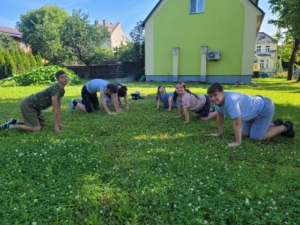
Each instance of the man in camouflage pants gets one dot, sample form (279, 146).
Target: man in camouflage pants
(32, 106)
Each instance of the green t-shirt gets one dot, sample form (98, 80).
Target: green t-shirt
(43, 100)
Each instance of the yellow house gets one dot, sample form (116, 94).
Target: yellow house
(201, 40)
(265, 52)
(117, 35)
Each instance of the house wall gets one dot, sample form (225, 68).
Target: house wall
(272, 58)
(251, 14)
(219, 28)
(117, 37)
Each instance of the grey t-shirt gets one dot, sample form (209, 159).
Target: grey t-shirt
(96, 85)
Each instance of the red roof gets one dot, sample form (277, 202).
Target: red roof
(11, 32)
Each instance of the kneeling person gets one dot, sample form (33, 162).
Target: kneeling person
(90, 101)
(32, 106)
(122, 92)
(251, 115)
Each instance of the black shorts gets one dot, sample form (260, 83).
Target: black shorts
(89, 100)
(204, 111)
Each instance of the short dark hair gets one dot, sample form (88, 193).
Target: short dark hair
(59, 73)
(214, 87)
(122, 91)
(112, 87)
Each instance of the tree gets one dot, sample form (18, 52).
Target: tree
(39, 60)
(103, 55)
(2, 66)
(83, 38)
(40, 29)
(18, 61)
(25, 61)
(10, 67)
(8, 43)
(288, 12)
(31, 59)
(138, 39)
(125, 52)
(284, 50)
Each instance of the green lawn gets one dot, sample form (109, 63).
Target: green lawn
(144, 166)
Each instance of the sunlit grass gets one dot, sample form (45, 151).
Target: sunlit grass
(144, 166)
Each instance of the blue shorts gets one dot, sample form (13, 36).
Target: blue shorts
(258, 127)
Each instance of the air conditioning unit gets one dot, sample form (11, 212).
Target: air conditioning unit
(213, 55)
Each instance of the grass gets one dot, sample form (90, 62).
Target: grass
(144, 166)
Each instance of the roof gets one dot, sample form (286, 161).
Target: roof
(255, 4)
(263, 38)
(11, 32)
(112, 26)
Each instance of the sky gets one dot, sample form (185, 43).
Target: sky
(127, 12)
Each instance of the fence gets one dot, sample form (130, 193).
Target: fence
(110, 71)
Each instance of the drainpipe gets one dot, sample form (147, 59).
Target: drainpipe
(203, 64)
(175, 63)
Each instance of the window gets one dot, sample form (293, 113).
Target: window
(24, 47)
(267, 49)
(262, 64)
(197, 6)
(267, 63)
(258, 49)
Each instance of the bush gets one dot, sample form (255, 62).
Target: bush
(41, 75)
(10, 67)
(18, 61)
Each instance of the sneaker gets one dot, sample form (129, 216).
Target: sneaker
(6, 124)
(13, 121)
(72, 106)
(278, 122)
(290, 129)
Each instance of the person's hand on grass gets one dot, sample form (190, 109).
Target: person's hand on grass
(57, 129)
(233, 144)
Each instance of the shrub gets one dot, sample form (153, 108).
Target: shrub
(31, 60)
(18, 61)
(39, 60)
(25, 61)
(10, 67)
(41, 75)
(2, 66)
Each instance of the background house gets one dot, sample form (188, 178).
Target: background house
(117, 35)
(201, 40)
(17, 36)
(265, 52)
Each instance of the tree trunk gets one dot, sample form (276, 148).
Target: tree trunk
(87, 71)
(293, 59)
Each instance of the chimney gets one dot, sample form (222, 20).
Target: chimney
(104, 23)
(96, 23)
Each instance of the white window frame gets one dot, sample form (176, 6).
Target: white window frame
(267, 49)
(262, 63)
(258, 49)
(267, 63)
(196, 4)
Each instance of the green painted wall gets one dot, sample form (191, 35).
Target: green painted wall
(220, 27)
